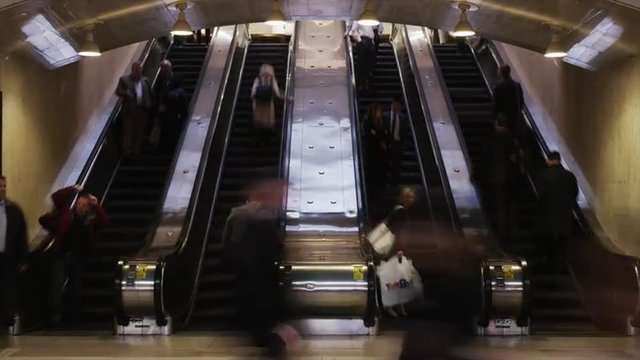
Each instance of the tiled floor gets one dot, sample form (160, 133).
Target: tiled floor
(388, 346)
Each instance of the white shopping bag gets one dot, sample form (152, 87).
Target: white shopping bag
(381, 239)
(400, 282)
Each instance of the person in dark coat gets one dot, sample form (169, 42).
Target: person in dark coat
(13, 253)
(499, 176)
(557, 192)
(376, 148)
(73, 232)
(508, 100)
(396, 122)
(252, 247)
(175, 114)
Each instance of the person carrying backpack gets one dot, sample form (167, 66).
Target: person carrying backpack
(263, 93)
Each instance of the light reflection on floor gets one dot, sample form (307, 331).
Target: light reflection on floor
(48, 346)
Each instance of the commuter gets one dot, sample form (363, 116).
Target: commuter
(73, 232)
(135, 92)
(175, 114)
(557, 192)
(252, 247)
(378, 30)
(397, 221)
(396, 123)
(500, 174)
(508, 101)
(363, 36)
(160, 94)
(376, 140)
(263, 93)
(13, 253)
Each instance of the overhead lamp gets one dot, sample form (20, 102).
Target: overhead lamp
(368, 16)
(555, 48)
(181, 27)
(276, 17)
(463, 27)
(88, 47)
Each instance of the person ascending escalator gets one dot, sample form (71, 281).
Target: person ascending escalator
(251, 248)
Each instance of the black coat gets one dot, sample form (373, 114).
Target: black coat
(16, 241)
(558, 190)
(386, 120)
(508, 101)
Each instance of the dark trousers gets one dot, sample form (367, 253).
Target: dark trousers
(366, 51)
(8, 291)
(395, 162)
(170, 130)
(66, 286)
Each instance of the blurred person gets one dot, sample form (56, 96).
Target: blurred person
(500, 176)
(557, 194)
(396, 122)
(252, 247)
(175, 114)
(263, 93)
(135, 92)
(13, 253)
(73, 233)
(378, 30)
(365, 48)
(376, 147)
(397, 221)
(508, 100)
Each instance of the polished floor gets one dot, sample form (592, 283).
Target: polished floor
(388, 346)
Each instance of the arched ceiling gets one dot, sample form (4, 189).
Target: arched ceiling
(518, 22)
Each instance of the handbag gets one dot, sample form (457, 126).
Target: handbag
(381, 239)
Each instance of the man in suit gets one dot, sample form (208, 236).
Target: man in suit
(557, 191)
(508, 100)
(395, 121)
(13, 252)
(135, 92)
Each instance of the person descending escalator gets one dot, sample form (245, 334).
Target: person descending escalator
(508, 101)
(500, 175)
(72, 230)
(252, 246)
(365, 48)
(263, 93)
(557, 193)
(376, 148)
(395, 121)
(135, 92)
(175, 114)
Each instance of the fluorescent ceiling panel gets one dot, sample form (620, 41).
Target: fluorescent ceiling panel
(601, 38)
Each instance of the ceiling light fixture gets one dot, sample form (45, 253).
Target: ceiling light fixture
(555, 48)
(463, 27)
(368, 16)
(88, 47)
(181, 27)
(276, 17)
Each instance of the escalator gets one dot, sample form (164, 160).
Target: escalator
(441, 265)
(385, 84)
(555, 305)
(132, 201)
(214, 306)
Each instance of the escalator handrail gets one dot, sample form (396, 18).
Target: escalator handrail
(287, 125)
(356, 139)
(585, 223)
(86, 171)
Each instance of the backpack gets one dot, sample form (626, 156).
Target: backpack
(264, 90)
